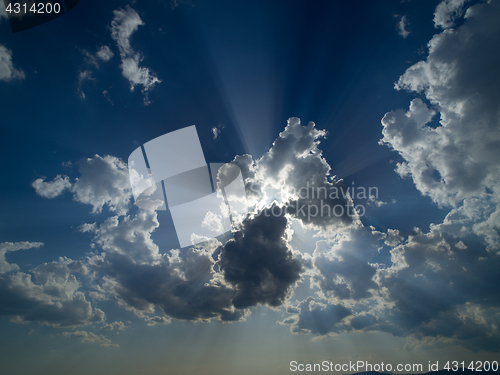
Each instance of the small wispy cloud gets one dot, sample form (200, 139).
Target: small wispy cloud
(216, 130)
(402, 27)
(125, 23)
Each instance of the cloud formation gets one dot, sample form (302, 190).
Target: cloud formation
(52, 299)
(125, 22)
(449, 162)
(440, 286)
(103, 182)
(7, 70)
(402, 25)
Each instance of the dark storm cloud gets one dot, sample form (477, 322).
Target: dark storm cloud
(259, 263)
(183, 288)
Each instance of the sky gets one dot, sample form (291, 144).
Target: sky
(367, 139)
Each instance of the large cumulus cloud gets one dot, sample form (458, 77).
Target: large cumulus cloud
(440, 287)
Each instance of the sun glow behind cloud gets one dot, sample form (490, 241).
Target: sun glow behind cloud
(294, 282)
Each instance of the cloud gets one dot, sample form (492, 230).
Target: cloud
(52, 300)
(124, 24)
(259, 262)
(154, 320)
(402, 25)
(447, 12)
(104, 53)
(53, 188)
(7, 70)
(91, 338)
(449, 162)
(118, 326)
(184, 288)
(318, 318)
(216, 130)
(7, 247)
(103, 182)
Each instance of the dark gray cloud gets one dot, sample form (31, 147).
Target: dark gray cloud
(259, 262)
(183, 288)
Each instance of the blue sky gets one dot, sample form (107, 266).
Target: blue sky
(397, 96)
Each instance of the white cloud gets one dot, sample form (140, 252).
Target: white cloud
(402, 25)
(7, 70)
(125, 23)
(53, 188)
(447, 12)
(105, 53)
(458, 158)
(103, 181)
(7, 247)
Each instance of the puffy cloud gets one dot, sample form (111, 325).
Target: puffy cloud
(259, 262)
(442, 286)
(53, 299)
(447, 12)
(343, 264)
(7, 247)
(103, 182)
(216, 130)
(185, 288)
(91, 338)
(128, 236)
(459, 157)
(53, 188)
(295, 175)
(124, 24)
(7, 70)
